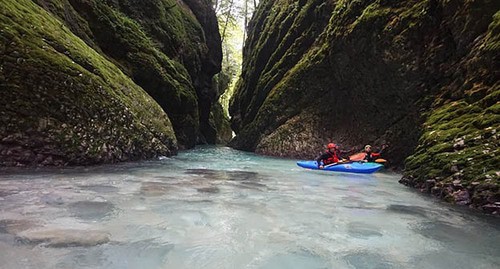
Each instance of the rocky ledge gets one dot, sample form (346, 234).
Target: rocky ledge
(420, 75)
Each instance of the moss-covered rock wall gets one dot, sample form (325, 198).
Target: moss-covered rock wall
(420, 75)
(87, 81)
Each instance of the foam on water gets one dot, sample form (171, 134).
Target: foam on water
(214, 207)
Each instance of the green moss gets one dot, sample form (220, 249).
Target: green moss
(283, 34)
(62, 95)
(221, 123)
(458, 136)
(493, 39)
(160, 44)
(128, 40)
(491, 99)
(372, 15)
(414, 73)
(417, 161)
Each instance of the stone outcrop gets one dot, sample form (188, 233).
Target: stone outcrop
(420, 75)
(86, 81)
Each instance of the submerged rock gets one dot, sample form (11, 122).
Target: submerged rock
(363, 230)
(14, 226)
(211, 189)
(64, 238)
(408, 209)
(365, 259)
(100, 188)
(154, 188)
(91, 210)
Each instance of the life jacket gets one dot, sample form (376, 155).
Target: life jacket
(370, 156)
(334, 158)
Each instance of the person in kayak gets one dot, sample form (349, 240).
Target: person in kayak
(331, 156)
(372, 156)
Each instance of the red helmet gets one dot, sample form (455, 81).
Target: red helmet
(331, 146)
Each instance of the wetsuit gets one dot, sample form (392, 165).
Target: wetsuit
(372, 156)
(329, 157)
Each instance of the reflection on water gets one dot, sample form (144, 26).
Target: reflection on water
(215, 207)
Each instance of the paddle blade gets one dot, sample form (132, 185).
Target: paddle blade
(380, 161)
(357, 157)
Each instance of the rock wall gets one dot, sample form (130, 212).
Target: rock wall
(420, 75)
(87, 81)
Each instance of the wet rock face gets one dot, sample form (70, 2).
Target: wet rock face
(420, 75)
(105, 81)
(186, 32)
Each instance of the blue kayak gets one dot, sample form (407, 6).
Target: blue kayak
(353, 167)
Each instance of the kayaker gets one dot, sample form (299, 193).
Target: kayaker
(331, 156)
(372, 156)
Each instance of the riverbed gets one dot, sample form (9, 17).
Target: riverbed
(215, 207)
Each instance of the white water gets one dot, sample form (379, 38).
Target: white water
(221, 208)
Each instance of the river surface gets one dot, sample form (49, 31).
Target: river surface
(214, 207)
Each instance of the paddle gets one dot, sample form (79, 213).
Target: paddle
(357, 157)
(333, 164)
(361, 156)
(376, 161)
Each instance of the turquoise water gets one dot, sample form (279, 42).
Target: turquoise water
(214, 207)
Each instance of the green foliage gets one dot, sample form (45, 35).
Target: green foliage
(230, 15)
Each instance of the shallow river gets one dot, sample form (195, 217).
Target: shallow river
(215, 207)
